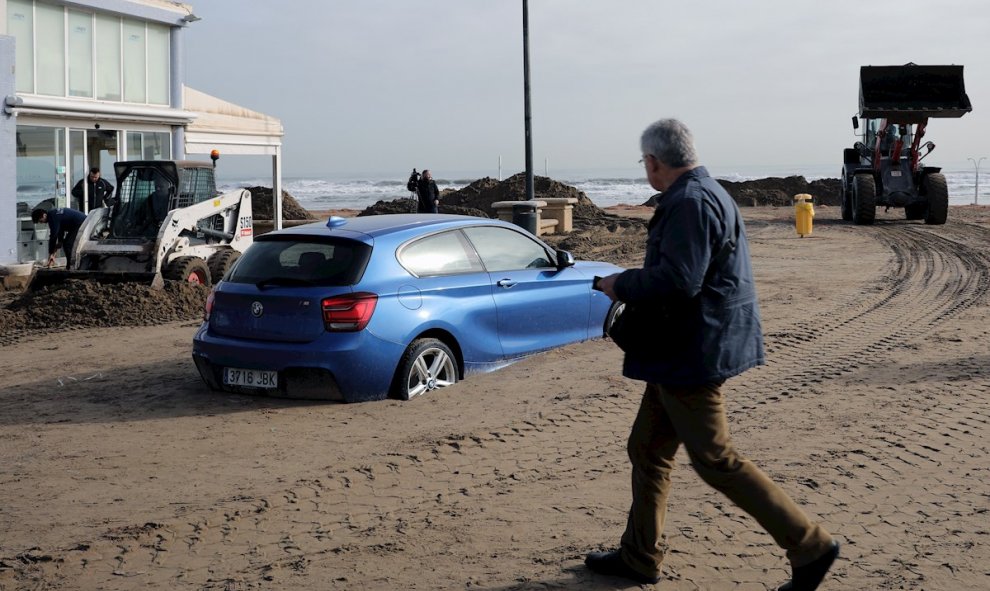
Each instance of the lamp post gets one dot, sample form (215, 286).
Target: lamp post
(976, 191)
(526, 114)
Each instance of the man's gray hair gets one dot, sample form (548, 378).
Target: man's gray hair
(670, 142)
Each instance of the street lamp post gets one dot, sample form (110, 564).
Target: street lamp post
(526, 107)
(976, 191)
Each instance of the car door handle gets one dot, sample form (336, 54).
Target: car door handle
(506, 283)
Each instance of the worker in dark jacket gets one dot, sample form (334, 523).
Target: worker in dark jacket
(99, 190)
(63, 225)
(429, 194)
(697, 269)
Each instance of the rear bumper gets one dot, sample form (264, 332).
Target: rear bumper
(356, 368)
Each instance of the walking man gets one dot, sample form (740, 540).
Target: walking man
(697, 270)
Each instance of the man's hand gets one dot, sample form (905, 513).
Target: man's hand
(607, 286)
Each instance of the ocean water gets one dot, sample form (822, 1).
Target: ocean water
(604, 187)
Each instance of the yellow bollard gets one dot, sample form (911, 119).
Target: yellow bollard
(804, 212)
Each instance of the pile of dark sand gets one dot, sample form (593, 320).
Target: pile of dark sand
(86, 304)
(263, 206)
(477, 198)
(409, 206)
(778, 192)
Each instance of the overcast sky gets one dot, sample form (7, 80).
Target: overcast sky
(374, 86)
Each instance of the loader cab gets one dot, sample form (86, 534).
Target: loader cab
(145, 193)
(148, 190)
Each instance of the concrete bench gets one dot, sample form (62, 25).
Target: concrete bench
(505, 210)
(547, 226)
(560, 209)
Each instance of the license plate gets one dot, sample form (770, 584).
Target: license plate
(254, 378)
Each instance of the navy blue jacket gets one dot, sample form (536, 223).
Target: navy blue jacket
(713, 320)
(63, 223)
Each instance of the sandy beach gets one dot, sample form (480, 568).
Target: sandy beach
(119, 469)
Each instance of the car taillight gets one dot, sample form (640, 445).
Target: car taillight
(209, 306)
(348, 313)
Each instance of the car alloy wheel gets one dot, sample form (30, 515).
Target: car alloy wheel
(428, 364)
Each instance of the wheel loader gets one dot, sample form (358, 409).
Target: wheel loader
(165, 221)
(885, 169)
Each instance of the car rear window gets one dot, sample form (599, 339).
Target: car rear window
(291, 261)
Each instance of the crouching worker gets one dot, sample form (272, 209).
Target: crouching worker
(63, 225)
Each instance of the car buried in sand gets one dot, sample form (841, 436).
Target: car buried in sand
(392, 306)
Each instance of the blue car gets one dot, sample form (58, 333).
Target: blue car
(392, 306)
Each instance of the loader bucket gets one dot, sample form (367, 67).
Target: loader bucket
(46, 277)
(912, 93)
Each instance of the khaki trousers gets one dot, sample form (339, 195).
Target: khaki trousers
(695, 416)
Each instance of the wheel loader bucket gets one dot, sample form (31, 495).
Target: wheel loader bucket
(47, 277)
(912, 93)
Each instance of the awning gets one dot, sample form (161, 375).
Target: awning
(230, 128)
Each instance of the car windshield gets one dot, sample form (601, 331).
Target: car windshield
(290, 260)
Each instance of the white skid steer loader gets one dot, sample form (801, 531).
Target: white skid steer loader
(166, 221)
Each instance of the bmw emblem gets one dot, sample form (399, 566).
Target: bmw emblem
(257, 309)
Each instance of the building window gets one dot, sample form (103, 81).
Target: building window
(135, 62)
(40, 180)
(20, 25)
(50, 49)
(74, 53)
(147, 145)
(80, 54)
(158, 72)
(107, 58)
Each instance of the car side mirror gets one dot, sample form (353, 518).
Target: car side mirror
(564, 259)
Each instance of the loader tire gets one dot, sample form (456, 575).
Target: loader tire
(847, 208)
(864, 199)
(188, 269)
(933, 186)
(220, 262)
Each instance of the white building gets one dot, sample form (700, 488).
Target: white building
(86, 83)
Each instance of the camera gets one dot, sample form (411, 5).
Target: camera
(413, 180)
(595, 283)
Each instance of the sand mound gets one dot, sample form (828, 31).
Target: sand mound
(477, 198)
(409, 206)
(79, 303)
(262, 205)
(777, 191)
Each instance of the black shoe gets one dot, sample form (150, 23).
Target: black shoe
(611, 564)
(809, 576)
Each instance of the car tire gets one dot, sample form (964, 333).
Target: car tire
(426, 365)
(188, 269)
(613, 313)
(220, 262)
